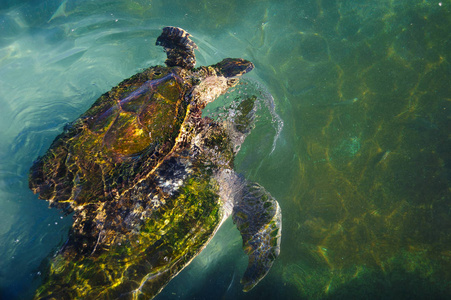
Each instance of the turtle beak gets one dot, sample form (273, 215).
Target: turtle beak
(234, 67)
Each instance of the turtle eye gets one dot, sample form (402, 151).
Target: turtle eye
(232, 82)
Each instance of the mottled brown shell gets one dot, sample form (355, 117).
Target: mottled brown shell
(121, 138)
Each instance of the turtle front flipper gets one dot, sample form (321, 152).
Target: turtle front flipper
(259, 220)
(178, 47)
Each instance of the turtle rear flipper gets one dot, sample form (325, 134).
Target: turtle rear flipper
(178, 47)
(259, 220)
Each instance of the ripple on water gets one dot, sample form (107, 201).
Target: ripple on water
(364, 184)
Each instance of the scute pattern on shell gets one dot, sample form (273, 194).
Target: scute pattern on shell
(117, 140)
(155, 243)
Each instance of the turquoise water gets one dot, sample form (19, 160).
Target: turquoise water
(361, 167)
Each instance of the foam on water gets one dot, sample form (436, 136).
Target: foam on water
(265, 115)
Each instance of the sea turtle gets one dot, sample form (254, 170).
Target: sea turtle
(150, 181)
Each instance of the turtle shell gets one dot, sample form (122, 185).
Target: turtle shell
(121, 139)
(117, 166)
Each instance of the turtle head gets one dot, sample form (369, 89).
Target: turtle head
(227, 73)
(233, 67)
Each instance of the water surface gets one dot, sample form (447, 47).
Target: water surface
(361, 169)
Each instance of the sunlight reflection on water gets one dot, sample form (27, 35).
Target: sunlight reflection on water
(364, 185)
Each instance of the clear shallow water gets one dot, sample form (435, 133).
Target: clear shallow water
(361, 168)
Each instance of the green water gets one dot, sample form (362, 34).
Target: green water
(361, 169)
